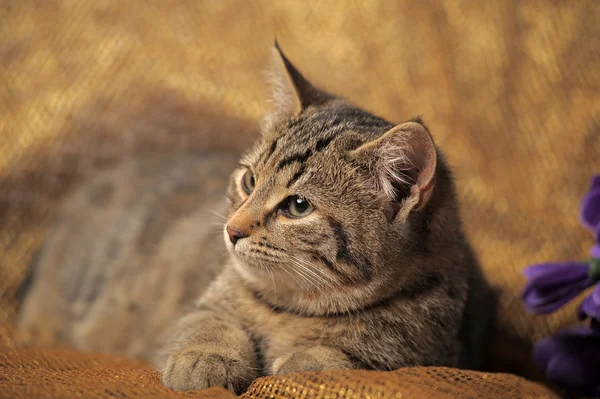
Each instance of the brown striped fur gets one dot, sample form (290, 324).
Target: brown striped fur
(378, 276)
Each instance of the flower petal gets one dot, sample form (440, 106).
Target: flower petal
(550, 286)
(537, 301)
(563, 340)
(590, 205)
(595, 252)
(595, 182)
(548, 274)
(591, 305)
(571, 359)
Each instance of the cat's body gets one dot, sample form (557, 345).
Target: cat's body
(345, 251)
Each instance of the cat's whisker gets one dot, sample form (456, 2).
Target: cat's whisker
(302, 269)
(301, 282)
(321, 273)
(307, 282)
(302, 274)
(314, 278)
(314, 271)
(332, 280)
(247, 132)
(356, 309)
(223, 253)
(273, 280)
(218, 214)
(291, 275)
(317, 283)
(216, 228)
(268, 271)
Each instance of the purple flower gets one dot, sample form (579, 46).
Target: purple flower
(552, 285)
(595, 252)
(590, 308)
(590, 208)
(590, 213)
(571, 359)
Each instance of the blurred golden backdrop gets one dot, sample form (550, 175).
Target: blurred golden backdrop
(510, 90)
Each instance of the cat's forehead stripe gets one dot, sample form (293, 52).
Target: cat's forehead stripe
(310, 133)
(269, 152)
(296, 176)
(302, 129)
(301, 158)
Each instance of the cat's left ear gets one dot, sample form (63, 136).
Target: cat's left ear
(291, 93)
(402, 164)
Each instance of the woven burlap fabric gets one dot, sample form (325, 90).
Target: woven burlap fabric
(65, 374)
(511, 91)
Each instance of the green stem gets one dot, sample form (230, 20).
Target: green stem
(594, 271)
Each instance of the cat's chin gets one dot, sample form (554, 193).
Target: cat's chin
(263, 277)
(249, 269)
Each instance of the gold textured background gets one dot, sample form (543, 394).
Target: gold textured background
(510, 90)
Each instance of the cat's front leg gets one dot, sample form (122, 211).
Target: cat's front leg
(316, 358)
(208, 350)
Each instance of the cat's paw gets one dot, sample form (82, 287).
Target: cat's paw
(198, 370)
(316, 359)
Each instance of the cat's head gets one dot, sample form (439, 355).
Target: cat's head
(330, 197)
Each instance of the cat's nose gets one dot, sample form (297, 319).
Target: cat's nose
(235, 234)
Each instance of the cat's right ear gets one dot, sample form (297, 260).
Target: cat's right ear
(402, 164)
(291, 93)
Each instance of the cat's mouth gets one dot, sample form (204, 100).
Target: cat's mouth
(254, 256)
(257, 260)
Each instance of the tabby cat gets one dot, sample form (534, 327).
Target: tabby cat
(343, 249)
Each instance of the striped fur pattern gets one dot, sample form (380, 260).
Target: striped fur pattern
(377, 275)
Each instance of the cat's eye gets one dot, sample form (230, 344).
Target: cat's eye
(248, 182)
(298, 207)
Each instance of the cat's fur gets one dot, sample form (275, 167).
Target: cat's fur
(378, 276)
